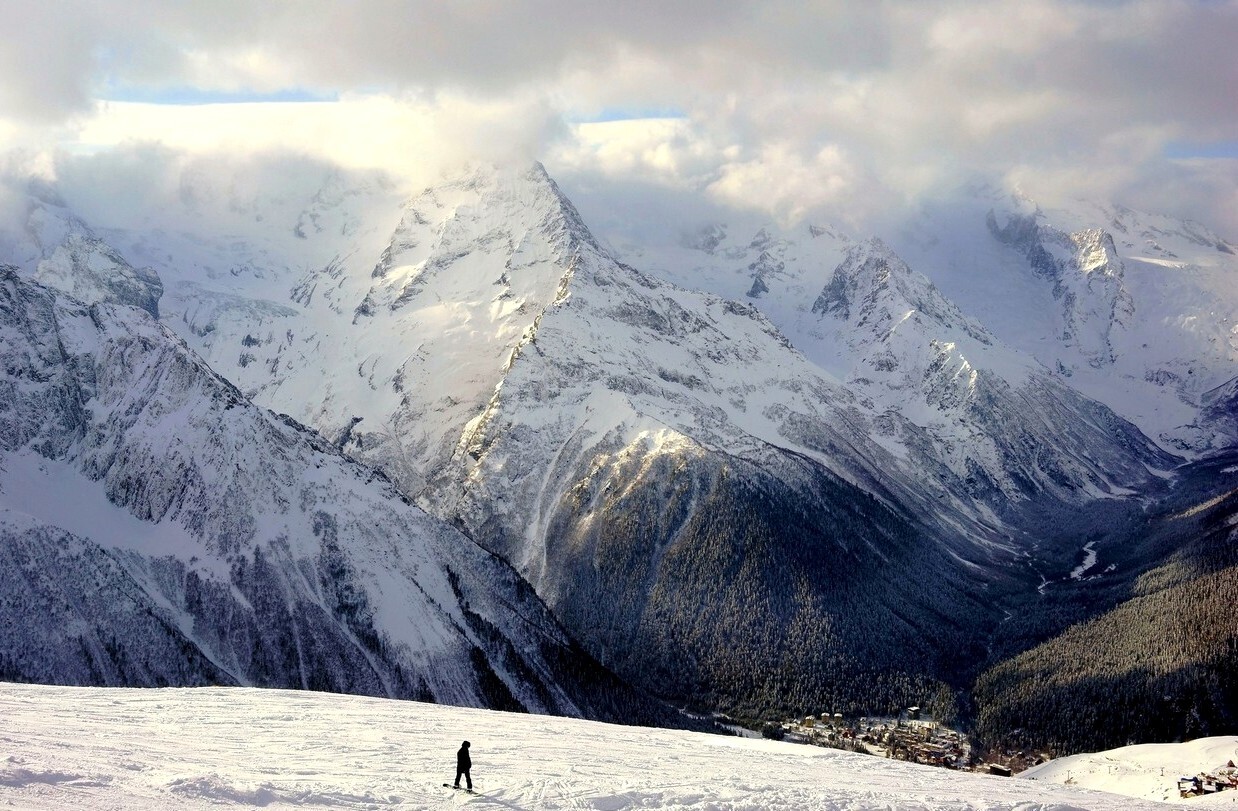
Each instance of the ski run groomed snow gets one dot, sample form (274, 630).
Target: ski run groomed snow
(69, 748)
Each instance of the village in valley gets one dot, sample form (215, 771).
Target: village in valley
(917, 738)
(912, 736)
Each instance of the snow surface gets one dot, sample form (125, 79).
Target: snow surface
(1089, 560)
(54, 493)
(1148, 771)
(70, 748)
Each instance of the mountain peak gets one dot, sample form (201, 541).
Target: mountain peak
(866, 270)
(56, 247)
(489, 210)
(874, 288)
(566, 209)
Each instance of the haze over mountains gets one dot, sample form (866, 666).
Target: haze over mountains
(760, 470)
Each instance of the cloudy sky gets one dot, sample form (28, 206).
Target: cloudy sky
(826, 109)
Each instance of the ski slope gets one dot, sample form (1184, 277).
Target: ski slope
(1148, 770)
(69, 748)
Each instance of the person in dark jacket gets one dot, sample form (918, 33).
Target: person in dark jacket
(463, 764)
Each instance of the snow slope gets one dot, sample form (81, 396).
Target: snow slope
(72, 748)
(1147, 771)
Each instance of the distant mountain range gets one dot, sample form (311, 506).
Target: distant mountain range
(762, 473)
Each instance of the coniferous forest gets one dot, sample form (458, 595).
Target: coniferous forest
(1159, 665)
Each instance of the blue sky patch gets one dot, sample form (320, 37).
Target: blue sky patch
(607, 114)
(197, 96)
(1212, 149)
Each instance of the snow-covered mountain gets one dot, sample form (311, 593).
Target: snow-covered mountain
(760, 469)
(158, 528)
(1135, 310)
(978, 414)
(499, 366)
(66, 253)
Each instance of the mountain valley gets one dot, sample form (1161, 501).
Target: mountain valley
(748, 473)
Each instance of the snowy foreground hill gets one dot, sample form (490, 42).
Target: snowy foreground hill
(1148, 770)
(95, 748)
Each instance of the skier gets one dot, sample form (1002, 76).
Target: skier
(463, 764)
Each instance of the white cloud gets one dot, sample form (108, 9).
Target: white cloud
(880, 101)
(416, 140)
(786, 183)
